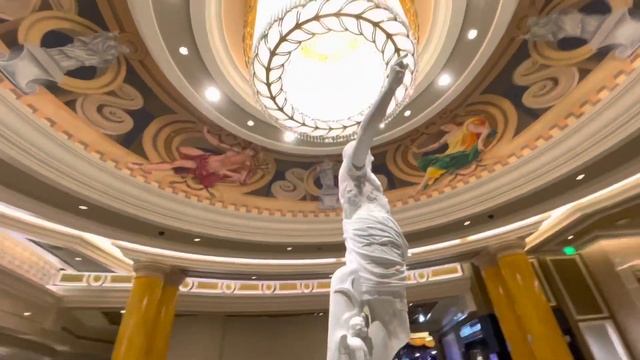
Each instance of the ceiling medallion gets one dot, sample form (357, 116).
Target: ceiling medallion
(319, 66)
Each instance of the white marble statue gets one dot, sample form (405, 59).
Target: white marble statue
(617, 29)
(371, 284)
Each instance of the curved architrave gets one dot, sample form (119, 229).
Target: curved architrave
(58, 235)
(116, 297)
(210, 36)
(536, 230)
(437, 47)
(150, 31)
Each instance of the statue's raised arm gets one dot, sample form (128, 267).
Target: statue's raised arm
(371, 284)
(371, 123)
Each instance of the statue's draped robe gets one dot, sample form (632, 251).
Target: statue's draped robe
(374, 241)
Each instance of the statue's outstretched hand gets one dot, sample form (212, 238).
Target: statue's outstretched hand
(396, 75)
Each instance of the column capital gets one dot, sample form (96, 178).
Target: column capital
(175, 277)
(508, 247)
(489, 256)
(485, 259)
(144, 268)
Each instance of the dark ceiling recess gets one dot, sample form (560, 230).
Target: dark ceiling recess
(68, 256)
(113, 317)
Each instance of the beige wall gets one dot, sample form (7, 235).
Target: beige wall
(208, 337)
(603, 259)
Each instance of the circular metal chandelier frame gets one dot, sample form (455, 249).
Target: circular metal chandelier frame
(375, 22)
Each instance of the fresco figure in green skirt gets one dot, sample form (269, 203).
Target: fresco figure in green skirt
(464, 144)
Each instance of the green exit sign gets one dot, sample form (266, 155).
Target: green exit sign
(569, 250)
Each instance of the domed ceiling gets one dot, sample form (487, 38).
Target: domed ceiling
(494, 120)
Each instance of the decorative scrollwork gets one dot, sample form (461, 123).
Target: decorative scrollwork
(16, 9)
(293, 188)
(365, 18)
(35, 26)
(105, 111)
(547, 85)
(546, 52)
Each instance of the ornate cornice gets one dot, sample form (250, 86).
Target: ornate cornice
(58, 235)
(566, 219)
(217, 287)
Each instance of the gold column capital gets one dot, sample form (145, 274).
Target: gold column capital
(175, 277)
(513, 246)
(485, 259)
(489, 256)
(143, 268)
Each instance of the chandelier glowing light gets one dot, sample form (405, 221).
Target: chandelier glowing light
(320, 65)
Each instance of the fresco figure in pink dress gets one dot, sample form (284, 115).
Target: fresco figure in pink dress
(235, 164)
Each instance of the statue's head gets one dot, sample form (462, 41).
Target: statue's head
(358, 327)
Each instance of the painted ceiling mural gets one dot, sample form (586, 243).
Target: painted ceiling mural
(124, 112)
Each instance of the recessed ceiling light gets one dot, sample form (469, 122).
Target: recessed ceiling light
(78, 259)
(580, 177)
(123, 311)
(444, 80)
(83, 207)
(472, 34)
(382, 126)
(407, 113)
(26, 313)
(570, 237)
(321, 314)
(289, 136)
(467, 222)
(254, 277)
(183, 50)
(289, 248)
(212, 93)
(197, 239)
(421, 318)
(250, 123)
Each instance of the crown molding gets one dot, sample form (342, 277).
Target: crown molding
(58, 235)
(568, 219)
(114, 298)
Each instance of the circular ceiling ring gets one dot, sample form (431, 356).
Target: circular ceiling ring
(377, 23)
